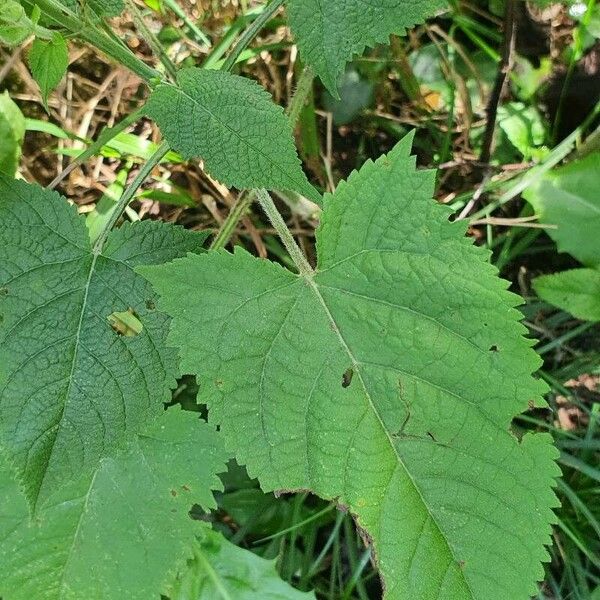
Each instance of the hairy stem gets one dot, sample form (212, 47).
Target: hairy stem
(284, 233)
(303, 90)
(251, 33)
(129, 193)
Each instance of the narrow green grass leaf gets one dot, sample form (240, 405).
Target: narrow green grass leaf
(417, 443)
(12, 132)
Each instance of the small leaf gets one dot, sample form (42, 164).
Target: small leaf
(577, 291)
(12, 132)
(220, 569)
(71, 389)
(122, 532)
(231, 123)
(15, 25)
(568, 198)
(48, 61)
(330, 33)
(418, 445)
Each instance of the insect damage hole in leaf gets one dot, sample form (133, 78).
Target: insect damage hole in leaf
(126, 323)
(458, 488)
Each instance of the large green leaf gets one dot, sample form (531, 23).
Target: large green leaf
(220, 570)
(568, 198)
(122, 533)
(231, 123)
(330, 32)
(386, 380)
(577, 291)
(12, 132)
(71, 387)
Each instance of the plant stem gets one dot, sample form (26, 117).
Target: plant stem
(251, 33)
(237, 212)
(284, 233)
(504, 68)
(128, 195)
(303, 90)
(151, 39)
(95, 37)
(200, 35)
(105, 136)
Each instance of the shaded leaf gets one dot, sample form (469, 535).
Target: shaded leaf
(220, 569)
(121, 533)
(330, 33)
(577, 291)
(418, 445)
(568, 198)
(71, 388)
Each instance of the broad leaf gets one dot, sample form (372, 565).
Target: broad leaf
(12, 132)
(71, 387)
(122, 533)
(231, 123)
(386, 380)
(48, 61)
(568, 198)
(221, 570)
(330, 33)
(577, 291)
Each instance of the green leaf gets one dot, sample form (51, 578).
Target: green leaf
(387, 381)
(122, 533)
(577, 291)
(15, 26)
(98, 8)
(12, 133)
(231, 123)
(71, 388)
(48, 61)
(221, 570)
(568, 198)
(330, 33)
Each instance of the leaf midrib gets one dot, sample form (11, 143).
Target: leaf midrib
(357, 371)
(300, 184)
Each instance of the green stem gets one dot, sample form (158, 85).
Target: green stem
(105, 136)
(251, 33)
(95, 37)
(152, 40)
(128, 195)
(284, 233)
(303, 90)
(239, 209)
(200, 35)
(244, 201)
